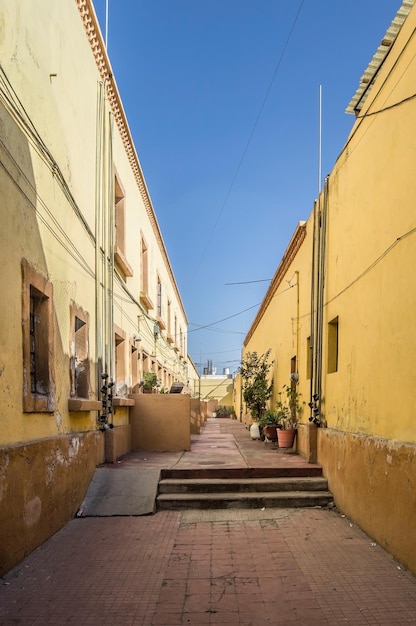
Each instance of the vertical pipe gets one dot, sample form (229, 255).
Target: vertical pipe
(297, 318)
(322, 282)
(313, 280)
(111, 246)
(98, 232)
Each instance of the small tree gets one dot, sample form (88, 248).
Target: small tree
(257, 389)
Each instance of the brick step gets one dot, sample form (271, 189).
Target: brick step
(227, 500)
(241, 485)
(243, 472)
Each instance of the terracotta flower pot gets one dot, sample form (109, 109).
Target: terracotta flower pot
(286, 438)
(270, 432)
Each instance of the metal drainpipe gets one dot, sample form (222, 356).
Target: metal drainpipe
(322, 285)
(98, 232)
(319, 282)
(111, 250)
(312, 333)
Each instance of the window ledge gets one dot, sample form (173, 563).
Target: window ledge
(145, 300)
(119, 401)
(169, 338)
(161, 323)
(82, 404)
(122, 263)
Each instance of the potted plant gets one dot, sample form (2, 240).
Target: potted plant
(269, 422)
(150, 382)
(224, 411)
(257, 389)
(288, 410)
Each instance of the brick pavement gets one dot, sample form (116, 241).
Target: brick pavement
(284, 567)
(223, 567)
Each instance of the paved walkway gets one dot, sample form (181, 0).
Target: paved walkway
(224, 567)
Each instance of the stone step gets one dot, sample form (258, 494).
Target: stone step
(251, 500)
(243, 472)
(241, 485)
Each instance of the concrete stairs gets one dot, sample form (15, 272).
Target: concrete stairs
(242, 489)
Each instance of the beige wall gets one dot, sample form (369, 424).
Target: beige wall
(64, 139)
(196, 421)
(161, 422)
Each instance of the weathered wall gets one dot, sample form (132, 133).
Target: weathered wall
(211, 407)
(374, 483)
(161, 422)
(41, 487)
(117, 442)
(195, 416)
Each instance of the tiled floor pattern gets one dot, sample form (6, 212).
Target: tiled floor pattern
(283, 567)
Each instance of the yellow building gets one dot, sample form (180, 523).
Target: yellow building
(90, 301)
(339, 313)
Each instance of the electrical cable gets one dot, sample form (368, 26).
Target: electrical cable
(248, 142)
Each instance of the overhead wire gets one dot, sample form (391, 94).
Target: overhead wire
(248, 142)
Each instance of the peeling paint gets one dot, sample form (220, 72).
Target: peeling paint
(389, 459)
(32, 511)
(58, 418)
(3, 476)
(73, 447)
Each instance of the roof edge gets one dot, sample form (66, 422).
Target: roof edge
(368, 78)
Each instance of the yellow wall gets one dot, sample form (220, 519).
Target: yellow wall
(367, 442)
(218, 388)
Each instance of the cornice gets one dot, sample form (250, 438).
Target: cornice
(97, 44)
(288, 257)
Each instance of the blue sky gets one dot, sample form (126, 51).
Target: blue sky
(222, 98)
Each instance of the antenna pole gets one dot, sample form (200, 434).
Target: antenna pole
(320, 141)
(106, 24)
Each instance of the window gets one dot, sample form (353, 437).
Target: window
(144, 276)
(144, 266)
(134, 368)
(79, 353)
(159, 297)
(38, 344)
(169, 323)
(120, 226)
(333, 346)
(120, 362)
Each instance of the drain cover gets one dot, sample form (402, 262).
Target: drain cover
(211, 463)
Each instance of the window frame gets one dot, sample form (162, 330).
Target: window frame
(37, 290)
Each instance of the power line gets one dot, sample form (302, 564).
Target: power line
(227, 195)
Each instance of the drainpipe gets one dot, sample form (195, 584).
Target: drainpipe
(312, 333)
(322, 262)
(317, 303)
(98, 231)
(110, 249)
